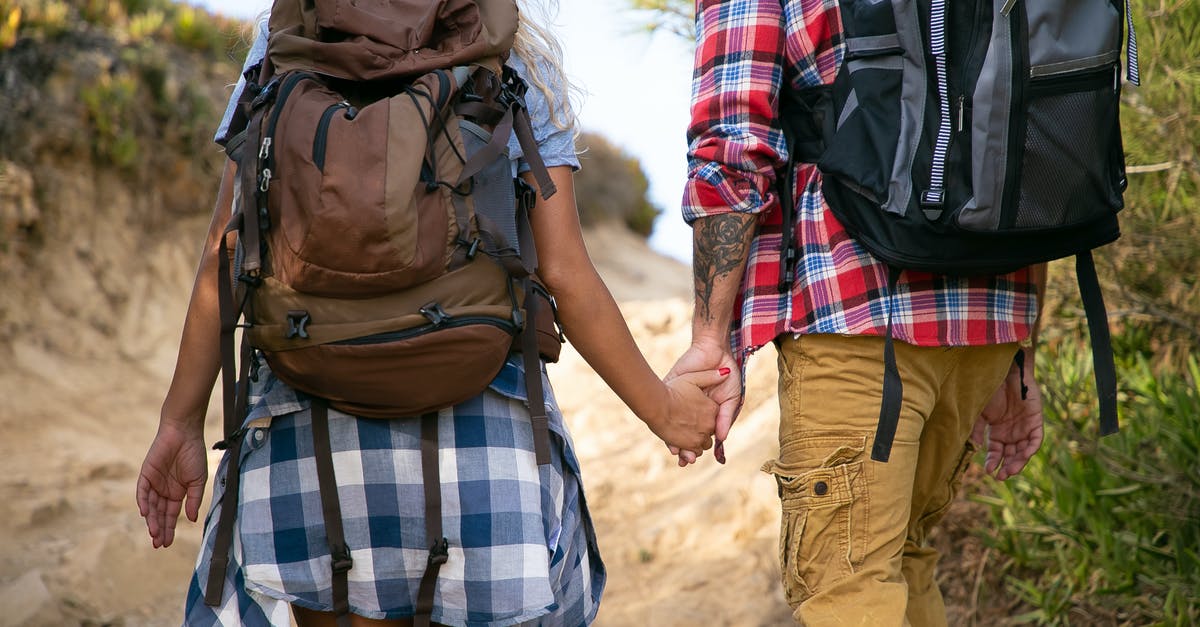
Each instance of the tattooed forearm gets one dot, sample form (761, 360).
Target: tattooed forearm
(721, 244)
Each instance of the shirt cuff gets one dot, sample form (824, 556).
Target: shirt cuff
(712, 189)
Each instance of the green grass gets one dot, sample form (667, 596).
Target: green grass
(1107, 531)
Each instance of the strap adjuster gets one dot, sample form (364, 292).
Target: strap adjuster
(342, 562)
(228, 442)
(439, 552)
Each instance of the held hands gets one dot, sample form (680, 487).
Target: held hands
(690, 413)
(726, 393)
(1009, 425)
(176, 466)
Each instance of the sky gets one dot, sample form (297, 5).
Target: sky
(636, 91)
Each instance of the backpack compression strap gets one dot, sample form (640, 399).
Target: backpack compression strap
(1102, 351)
(235, 384)
(439, 547)
(893, 386)
(339, 553)
(534, 391)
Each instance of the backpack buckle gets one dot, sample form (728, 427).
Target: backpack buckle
(526, 194)
(342, 562)
(933, 203)
(266, 94)
(297, 321)
(435, 313)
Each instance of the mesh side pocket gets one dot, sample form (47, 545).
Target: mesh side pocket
(1072, 164)
(495, 200)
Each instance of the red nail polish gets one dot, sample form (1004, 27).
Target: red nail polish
(723, 371)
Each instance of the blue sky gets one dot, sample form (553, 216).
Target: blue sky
(637, 89)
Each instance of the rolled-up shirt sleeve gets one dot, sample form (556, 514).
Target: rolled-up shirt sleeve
(735, 144)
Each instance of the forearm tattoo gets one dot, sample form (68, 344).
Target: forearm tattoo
(720, 247)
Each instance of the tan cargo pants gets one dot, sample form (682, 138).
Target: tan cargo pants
(852, 543)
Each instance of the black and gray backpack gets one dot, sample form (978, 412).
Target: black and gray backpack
(969, 138)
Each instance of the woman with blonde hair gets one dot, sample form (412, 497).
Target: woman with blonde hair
(521, 547)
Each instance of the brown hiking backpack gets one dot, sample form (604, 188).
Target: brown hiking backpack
(385, 263)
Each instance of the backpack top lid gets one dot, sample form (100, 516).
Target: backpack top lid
(367, 40)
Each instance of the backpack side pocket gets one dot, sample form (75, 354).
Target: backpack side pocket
(1073, 169)
(878, 102)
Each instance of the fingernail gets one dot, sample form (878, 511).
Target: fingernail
(723, 371)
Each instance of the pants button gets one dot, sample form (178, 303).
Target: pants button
(821, 488)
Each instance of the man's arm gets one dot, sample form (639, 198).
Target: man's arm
(721, 245)
(735, 146)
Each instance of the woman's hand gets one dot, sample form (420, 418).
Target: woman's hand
(727, 393)
(690, 415)
(176, 466)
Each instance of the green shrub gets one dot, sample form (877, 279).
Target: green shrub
(196, 29)
(611, 186)
(110, 104)
(1108, 532)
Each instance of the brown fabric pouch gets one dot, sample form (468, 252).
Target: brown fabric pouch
(366, 40)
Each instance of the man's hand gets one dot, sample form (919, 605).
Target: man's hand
(727, 393)
(1009, 425)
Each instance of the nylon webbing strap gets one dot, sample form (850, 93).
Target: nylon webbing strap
(533, 379)
(229, 319)
(529, 148)
(525, 241)
(1102, 350)
(483, 113)
(339, 553)
(233, 481)
(235, 392)
(438, 546)
(490, 152)
(787, 206)
(893, 387)
(221, 544)
(252, 194)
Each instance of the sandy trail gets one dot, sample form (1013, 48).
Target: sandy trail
(683, 546)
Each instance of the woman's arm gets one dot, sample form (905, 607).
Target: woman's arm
(176, 466)
(678, 413)
(199, 358)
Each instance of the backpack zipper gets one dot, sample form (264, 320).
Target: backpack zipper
(933, 199)
(1088, 79)
(448, 323)
(323, 132)
(266, 151)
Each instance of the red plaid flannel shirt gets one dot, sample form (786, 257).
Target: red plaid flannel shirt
(746, 50)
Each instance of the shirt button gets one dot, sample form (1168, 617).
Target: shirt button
(821, 488)
(258, 435)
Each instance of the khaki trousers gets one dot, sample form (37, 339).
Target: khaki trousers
(852, 543)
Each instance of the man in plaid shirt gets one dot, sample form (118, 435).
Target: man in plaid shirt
(852, 544)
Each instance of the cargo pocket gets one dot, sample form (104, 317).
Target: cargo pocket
(823, 526)
(867, 98)
(1073, 166)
